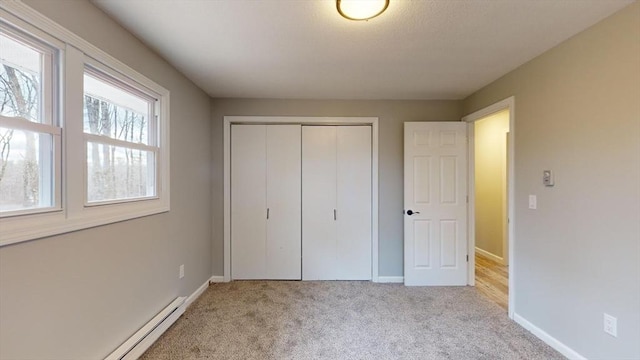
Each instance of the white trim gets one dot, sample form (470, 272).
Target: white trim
(471, 205)
(227, 200)
(52, 53)
(196, 294)
(390, 279)
(508, 103)
(26, 125)
(216, 279)
(142, 339)
(139, 342)
(74, 53)
(548, 339)
(106, 140)
(488, 255)
(51, 50)
(50, 223)
(304, 120)
(374, 201)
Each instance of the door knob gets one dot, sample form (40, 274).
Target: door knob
(411, 212)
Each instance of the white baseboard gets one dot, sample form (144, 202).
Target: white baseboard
(196, 294)
(391, 279)
(489, 255)
(139, 342)
(216, 279)
(550, 340)
(142, 339)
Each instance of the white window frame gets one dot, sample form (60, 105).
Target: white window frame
(74, 214)
(49, 115)
(100, 72)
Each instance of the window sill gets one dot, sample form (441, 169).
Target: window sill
(37, 226)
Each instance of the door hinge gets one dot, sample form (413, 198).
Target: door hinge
(467, 258)
(467, 199)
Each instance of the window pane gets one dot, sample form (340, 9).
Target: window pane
(20, 80)
(26, 170)
(119, 173)
(113, 112)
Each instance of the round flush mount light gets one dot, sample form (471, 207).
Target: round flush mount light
(361, 9)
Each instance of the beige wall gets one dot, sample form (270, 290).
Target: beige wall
(79, 295)
(577, 112)
(490, 142)
(392, 115)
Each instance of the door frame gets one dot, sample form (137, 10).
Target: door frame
(302, 120)
(508, 103)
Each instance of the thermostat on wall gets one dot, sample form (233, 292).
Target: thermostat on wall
(547, 178)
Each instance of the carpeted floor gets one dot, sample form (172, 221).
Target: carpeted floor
(345, 320)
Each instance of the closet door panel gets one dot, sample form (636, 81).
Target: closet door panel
(318, 202)
(353, 203)
(248, 201)
(283, 249)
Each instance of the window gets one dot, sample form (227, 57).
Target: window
(120, 126)
(29, 135)
(80, 148)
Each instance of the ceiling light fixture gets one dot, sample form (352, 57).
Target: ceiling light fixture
(361, 9)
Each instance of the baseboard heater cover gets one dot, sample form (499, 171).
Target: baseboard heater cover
(139, 342)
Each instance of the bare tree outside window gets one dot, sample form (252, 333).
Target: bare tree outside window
(20, 97)
(98, 157)
(117, 172)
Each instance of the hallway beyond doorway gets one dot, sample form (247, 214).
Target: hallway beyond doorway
(492, 280)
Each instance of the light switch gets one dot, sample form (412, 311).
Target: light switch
(533, 202)
(547, 177)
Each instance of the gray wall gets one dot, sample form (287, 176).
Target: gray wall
(391, 114)
(79, 295)
(577, 256)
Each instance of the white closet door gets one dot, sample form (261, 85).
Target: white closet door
(353, 203)
(248, 201)
(283, 249)
(318, 202)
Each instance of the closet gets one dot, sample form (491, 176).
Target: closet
(301, 202)
(336, 203)
(265, 202)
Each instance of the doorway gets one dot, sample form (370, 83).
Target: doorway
(490, 199)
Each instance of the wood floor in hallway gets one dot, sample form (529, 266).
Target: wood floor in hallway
(492, 280)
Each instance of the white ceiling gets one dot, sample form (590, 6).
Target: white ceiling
(417, 49)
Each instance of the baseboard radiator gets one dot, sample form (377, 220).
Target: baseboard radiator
(139, 342)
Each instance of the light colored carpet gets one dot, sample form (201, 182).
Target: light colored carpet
(345, 320)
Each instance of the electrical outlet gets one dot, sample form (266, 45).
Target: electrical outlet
(181, 271)
(610, 325)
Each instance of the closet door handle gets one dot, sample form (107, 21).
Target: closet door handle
(335, 214)
(267, 213)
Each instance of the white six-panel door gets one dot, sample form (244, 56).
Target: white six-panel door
(336, 200)
(435, 203)
(265, 202)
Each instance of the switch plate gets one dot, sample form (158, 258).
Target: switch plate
(533, 202)
(181, 271)
(610, 325)
(547, 178)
